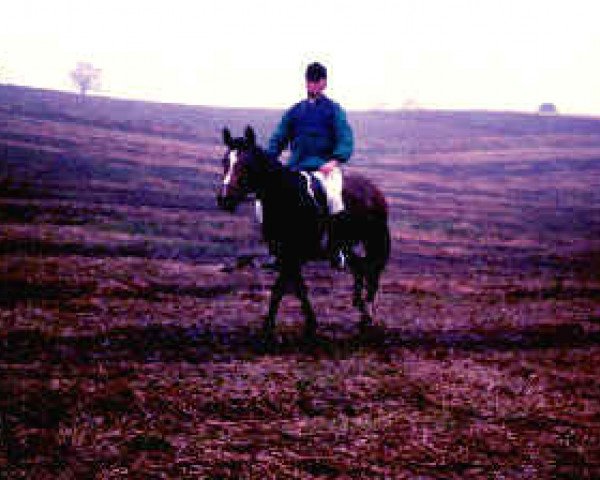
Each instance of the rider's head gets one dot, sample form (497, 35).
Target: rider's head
(316, 79)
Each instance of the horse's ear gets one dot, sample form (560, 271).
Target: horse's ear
(227, 138)
(250, 136)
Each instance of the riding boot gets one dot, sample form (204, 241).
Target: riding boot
(337, 247)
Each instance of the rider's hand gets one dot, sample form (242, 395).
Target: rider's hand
(328, 167)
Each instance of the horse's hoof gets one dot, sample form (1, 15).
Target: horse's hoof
(310, 333)
(371, 310)
(267, 342)
(365, 324)
(379, 324)
(268, 331)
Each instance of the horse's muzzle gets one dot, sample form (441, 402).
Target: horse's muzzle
(226, 204)
(227, 201)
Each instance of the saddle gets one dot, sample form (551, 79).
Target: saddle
(313, 193)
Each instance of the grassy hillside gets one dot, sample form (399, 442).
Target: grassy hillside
(462, 176)
(130, 306)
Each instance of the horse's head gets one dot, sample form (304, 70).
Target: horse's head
(237, 166)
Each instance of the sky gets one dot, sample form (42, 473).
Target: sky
(448, 54)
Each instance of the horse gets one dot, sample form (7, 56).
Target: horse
(292, 221)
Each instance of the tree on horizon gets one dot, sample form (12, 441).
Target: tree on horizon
(86, 77)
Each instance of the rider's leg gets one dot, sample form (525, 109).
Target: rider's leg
(333, 184)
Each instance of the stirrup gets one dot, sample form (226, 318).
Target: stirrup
(339, 259)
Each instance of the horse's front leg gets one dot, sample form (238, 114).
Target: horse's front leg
(310, 325)
(356, 267)
(277, 293)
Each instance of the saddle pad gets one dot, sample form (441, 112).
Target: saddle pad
(315, 191)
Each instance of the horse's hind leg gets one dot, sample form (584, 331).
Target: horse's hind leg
(356, 267)
(378, 253)
(373, 276)
(358, 271)
(310, 326)
(277, 292)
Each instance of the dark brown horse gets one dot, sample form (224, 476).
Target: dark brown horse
(293, 222)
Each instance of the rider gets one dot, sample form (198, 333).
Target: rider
(320, 140)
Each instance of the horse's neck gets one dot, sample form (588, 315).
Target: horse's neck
(273, 180)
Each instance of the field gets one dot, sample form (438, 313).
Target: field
(130, 306)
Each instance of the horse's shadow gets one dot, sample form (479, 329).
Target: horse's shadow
(171, 343)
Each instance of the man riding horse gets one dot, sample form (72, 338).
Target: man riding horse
(320, 139)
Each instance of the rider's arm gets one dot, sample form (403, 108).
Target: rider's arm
(344, 137)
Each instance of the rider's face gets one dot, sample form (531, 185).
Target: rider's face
(314, 89)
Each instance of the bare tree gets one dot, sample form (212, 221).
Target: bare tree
(86, 77)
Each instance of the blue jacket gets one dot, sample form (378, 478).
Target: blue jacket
(316, 131)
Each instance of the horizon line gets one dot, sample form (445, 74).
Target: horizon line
(373, 109)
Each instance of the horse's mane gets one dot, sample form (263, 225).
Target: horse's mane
(270, 172)
(271, 164)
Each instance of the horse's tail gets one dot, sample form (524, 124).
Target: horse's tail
(377, 250)
(379, 244)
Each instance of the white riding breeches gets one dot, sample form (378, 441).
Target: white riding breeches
(333, 184)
